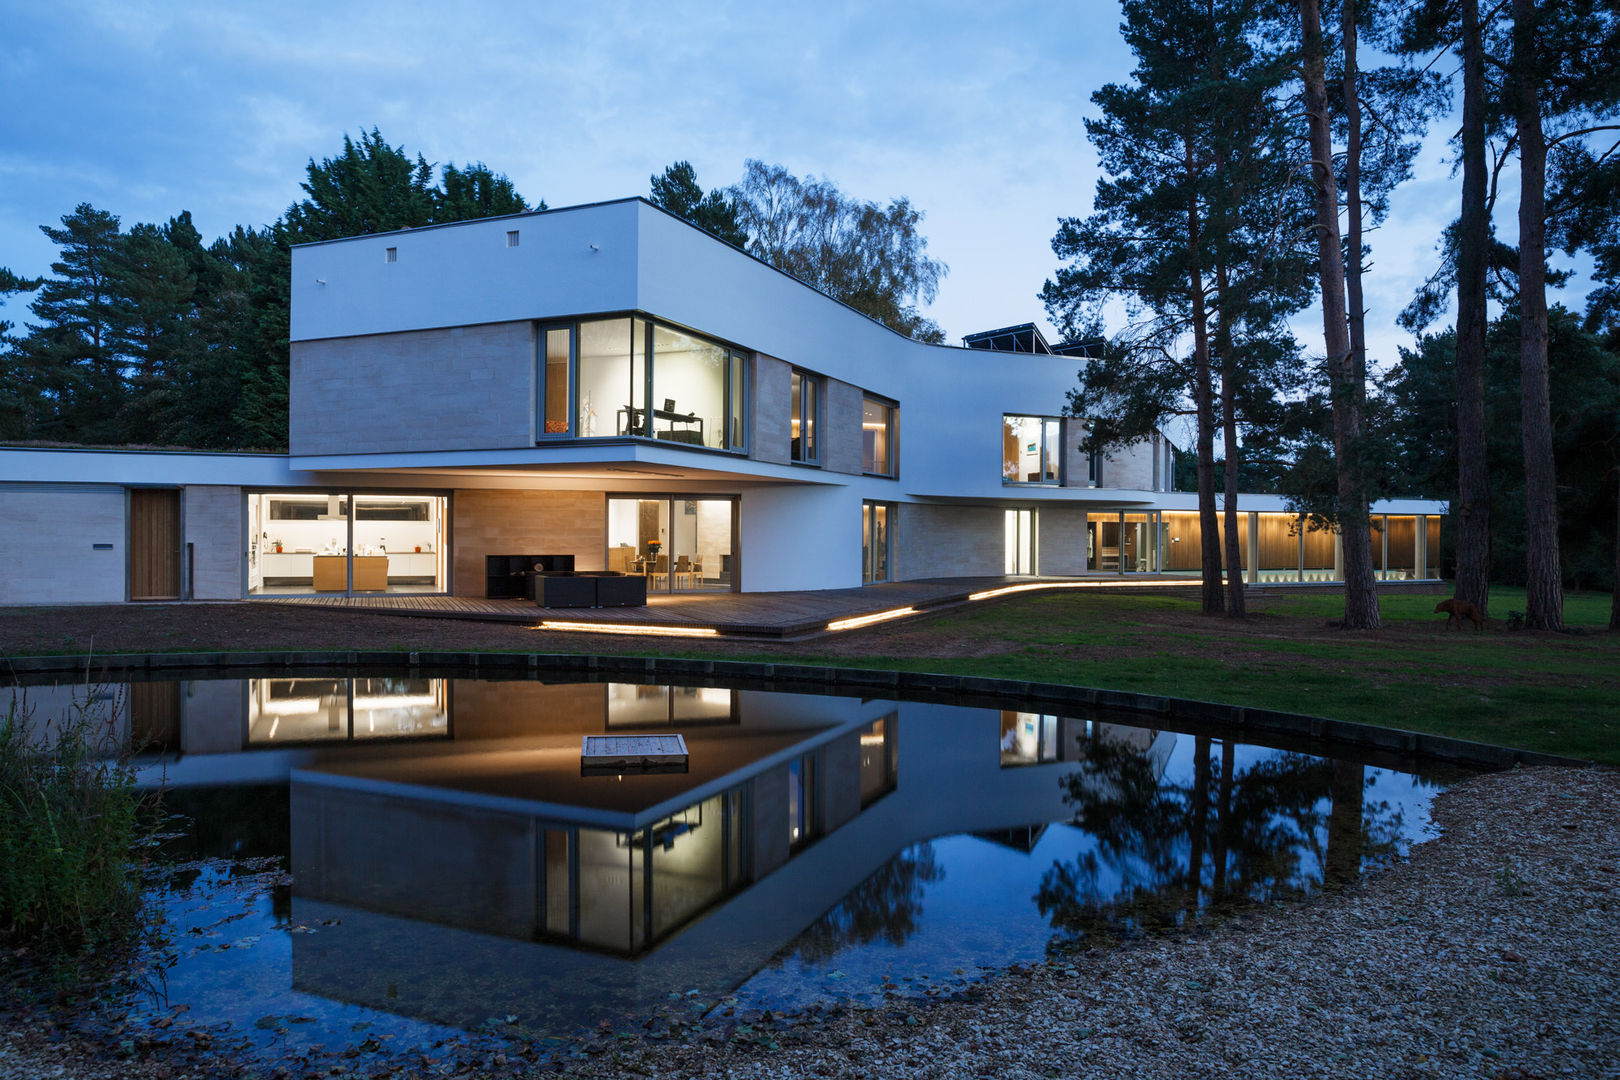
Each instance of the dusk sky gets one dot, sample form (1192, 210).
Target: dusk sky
(974, 111)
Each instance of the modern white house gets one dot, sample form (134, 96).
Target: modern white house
(614, 388)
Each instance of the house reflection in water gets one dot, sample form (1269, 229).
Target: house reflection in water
(472, 870)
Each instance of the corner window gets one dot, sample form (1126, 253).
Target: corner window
(877, 437)
(1031, 449)
(630, 377)
(805, 409)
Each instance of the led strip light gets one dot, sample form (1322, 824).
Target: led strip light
(631, 628)
(868, 620)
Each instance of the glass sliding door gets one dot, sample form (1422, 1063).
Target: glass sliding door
(700, 544)
(1020, 542)
(680, 544)
(305, 543)
(1102, 543)
(1139, 549)
(874, 542)
(301, 544)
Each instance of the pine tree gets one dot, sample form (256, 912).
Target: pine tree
(1194, 230)
(68, 358)
(476, 192)
(679, 192)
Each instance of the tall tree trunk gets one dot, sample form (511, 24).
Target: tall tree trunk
(1544, 583)
(1343, 859)
(1223, 825)
(1347, 390)
(1224, 352)
(1614, 599)
(1235, 606)
(1198, 826)
(1203, 401)
(1473, 475)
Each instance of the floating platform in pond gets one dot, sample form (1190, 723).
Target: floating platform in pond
(602, 755)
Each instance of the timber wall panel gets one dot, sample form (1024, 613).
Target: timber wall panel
(525, 523)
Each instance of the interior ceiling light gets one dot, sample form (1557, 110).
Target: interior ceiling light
(868, 620)
(631, 628)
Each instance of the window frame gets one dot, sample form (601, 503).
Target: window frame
(735, 378)
(810, 400)
(891, 431)
(1051, 456)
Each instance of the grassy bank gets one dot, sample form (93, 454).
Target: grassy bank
(1558, 694)
(1555, 693)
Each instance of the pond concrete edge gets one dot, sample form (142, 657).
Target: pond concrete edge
(869, 682)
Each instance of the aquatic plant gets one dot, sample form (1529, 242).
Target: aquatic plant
(74, 829)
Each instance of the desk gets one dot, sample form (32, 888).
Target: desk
(632, 421)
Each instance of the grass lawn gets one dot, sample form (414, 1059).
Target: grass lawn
(1554, 693)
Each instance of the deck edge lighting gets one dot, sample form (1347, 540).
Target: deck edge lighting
(1033, 586)
(868, 620)
(631, 628)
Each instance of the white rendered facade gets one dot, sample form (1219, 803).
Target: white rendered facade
(425, 403)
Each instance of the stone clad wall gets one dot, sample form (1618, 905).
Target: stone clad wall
(841, 428)
(949, 541)
(466, 388)
(47, 538)
(213, 524)
(771, 437)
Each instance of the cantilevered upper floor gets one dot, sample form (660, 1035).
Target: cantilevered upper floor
(618, 332)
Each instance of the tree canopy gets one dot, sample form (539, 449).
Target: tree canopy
(152, 336)
(871, 257)
(679, 192)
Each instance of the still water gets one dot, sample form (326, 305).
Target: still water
(390, 861)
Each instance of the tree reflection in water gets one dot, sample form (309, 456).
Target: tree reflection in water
(1213, 835)
(885, 907)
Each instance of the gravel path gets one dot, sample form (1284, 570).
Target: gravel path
(1493, 952)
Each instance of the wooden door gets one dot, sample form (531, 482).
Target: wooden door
(154, 544)
(154, 716)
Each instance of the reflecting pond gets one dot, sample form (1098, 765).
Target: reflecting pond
(388, 861)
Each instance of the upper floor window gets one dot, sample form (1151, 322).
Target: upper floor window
(877, 437)
(1031, 449)
(1094, 468)
(634, 377)
(804, 411)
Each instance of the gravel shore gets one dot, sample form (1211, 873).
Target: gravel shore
(1491, 952)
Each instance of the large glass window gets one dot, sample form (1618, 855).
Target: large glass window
(612, 378)
(877, 437)
(679, 544)
(689, 389)
(637, 378)
(1031, 449)
(805, 409)
(338, 542)
(556, 391)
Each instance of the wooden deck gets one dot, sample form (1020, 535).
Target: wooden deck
(761, 615)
